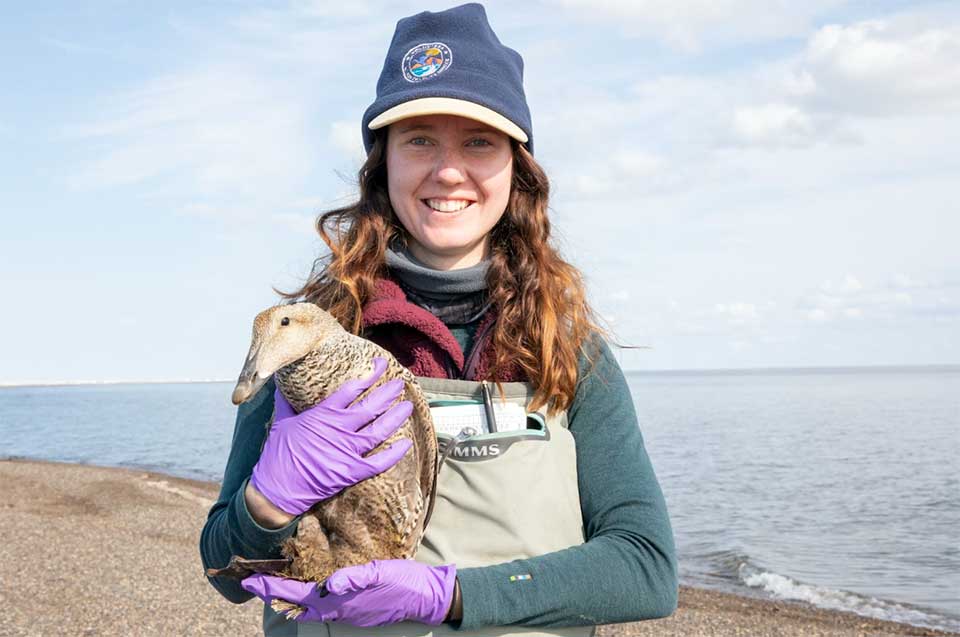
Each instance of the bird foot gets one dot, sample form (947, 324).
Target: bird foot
(240, 567)
(287, 609)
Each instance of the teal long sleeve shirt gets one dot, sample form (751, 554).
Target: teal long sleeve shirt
(626, 570)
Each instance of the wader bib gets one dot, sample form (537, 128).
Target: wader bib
(501, 496)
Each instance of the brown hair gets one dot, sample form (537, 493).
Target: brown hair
(543, 319)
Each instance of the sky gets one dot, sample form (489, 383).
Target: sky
(744, 183)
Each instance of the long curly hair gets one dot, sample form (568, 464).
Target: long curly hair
(543, 318)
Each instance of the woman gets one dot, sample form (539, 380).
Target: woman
(446, 262)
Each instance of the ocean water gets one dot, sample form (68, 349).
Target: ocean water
(836, 487)
(839, 487)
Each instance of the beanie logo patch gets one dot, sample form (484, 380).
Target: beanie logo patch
(426, 61)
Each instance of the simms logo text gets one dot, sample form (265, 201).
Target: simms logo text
(478, 451)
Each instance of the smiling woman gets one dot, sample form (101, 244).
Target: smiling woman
(449, 182)
(547, 527)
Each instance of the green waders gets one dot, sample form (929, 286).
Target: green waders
(500, 497)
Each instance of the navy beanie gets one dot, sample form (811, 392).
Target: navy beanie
(451, 62)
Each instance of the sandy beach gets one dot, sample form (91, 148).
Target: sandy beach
(101, 551)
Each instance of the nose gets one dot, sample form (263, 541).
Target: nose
(450, 169)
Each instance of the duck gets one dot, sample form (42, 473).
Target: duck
(309, 355)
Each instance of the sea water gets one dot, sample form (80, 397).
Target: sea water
(839, 487)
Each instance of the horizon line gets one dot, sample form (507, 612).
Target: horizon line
(885, 367)
(628, 372)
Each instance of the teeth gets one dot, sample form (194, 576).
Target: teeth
(446, 205)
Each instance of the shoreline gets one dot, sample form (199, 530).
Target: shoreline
(106, 550)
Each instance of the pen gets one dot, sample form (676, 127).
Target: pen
(488, 407)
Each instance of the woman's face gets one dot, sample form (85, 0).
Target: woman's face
(449, 182)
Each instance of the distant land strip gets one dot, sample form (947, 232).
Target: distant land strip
(786, 371)
(67, 383)
(731, 371)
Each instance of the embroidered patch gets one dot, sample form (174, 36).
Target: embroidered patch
(521, 578)
(425, 61)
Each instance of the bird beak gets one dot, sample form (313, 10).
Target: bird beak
(250, 381)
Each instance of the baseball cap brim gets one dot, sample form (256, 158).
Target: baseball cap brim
(448, 106)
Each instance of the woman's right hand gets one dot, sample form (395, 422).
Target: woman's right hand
(314, 455)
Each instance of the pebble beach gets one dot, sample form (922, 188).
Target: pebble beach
(104, 551)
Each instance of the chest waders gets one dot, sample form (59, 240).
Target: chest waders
(501, 496)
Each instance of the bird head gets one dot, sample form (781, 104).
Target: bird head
(282, 335)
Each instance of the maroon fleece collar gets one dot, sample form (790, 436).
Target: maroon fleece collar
(389, 305)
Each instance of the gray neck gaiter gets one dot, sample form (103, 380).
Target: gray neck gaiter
(453, 296)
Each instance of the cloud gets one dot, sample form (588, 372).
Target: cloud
(901, 281)
(884, 67)
(733, 317)
(214, 131)
(778, 125)
(817, 315)
(345, 137)
(903, 298)
(737, 313)
(634, 169)
(690, 26)
(848, 286)
(896, 66)
(242, 125)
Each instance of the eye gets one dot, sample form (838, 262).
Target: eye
(285, 321)
(418, 141)
(482, 142)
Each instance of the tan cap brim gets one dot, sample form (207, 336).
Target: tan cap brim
(448, 106)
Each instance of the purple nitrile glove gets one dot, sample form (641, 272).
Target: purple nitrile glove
(372, 594)
(314, 455)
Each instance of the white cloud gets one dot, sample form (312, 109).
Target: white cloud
(636, 164)
(905, 282)
(214, 131)
(345, 137)
(690, 25)
(241, 128)
(899, 65)
(890, 66)
(737, 313)
(849, 285)
(849, 298)
(621, 171)
(775, 125)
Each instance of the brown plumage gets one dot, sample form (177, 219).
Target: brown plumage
(311, 355)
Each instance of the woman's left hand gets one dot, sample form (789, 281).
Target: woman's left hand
(373, 594)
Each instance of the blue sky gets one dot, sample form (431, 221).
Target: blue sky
(746, 183)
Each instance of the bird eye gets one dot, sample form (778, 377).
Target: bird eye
(285, 321)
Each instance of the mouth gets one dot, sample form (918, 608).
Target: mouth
(246, 387)
(447, 206)
(249, 382)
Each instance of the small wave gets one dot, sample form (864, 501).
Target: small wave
(784, 588)
(163, 485)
